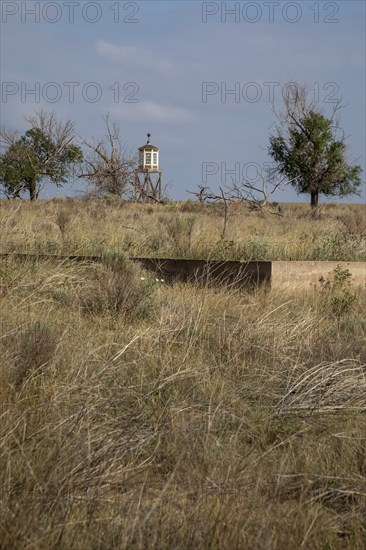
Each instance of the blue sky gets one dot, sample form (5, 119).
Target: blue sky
(149, 64)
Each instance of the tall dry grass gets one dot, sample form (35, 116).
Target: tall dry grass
(186, 230)
(141, 415)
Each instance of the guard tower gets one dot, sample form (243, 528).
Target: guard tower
(148, 174)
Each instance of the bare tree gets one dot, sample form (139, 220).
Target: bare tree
(255, 195)
(297, 105)
(61, 133)
(108, 166)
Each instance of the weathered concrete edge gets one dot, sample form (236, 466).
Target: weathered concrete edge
(222, 272)
(278, 274)
(306, 274)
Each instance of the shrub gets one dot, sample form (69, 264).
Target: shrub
(63, 220)
(117, 288)
(33, 347)
(9, 275)
(339, 297)
(180, 232)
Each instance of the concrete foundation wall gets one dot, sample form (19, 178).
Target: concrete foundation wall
(210, 271)
(296, 275)
(305, 275)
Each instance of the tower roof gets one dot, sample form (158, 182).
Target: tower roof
(148, 146)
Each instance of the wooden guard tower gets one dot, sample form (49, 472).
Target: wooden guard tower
(148, 174)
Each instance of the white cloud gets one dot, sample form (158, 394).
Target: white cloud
(150, 111)
(132, 57)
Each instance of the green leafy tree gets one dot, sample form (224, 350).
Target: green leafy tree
(310, 150)
(44, 153)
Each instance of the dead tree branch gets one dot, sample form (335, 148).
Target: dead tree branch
(255, 195)
(109, 167)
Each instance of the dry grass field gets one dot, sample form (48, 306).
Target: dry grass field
(136, 414)
(184, 230)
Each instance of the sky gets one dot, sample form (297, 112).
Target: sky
(201, 77)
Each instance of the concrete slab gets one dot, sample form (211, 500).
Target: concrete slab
(305, 275)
